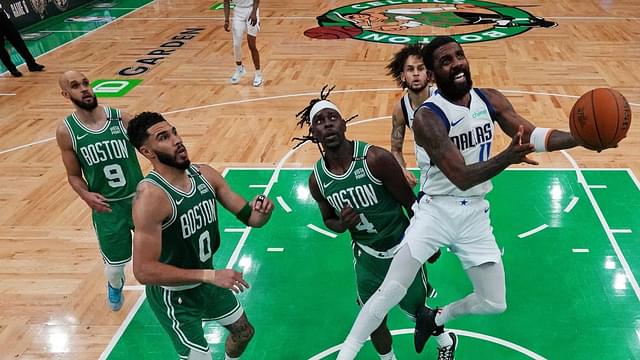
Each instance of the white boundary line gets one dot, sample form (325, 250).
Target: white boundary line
(621, 231)
(466, 333)
(232, 230)
(275, 249)
(597, 186)
(26, 145)
(91, 31)
(605, 226)
(533, 231)
(7, 94)
(572, 203)
(322, 231)
(123, 327)
(134, 288)
(283, 204)
(580, 250)
(634, 178)
(257, 186)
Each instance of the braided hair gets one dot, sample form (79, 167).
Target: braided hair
(304, 118)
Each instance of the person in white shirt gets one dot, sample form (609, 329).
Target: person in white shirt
(455, 126)
(246, 18)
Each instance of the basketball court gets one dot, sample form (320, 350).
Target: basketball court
(568, 229)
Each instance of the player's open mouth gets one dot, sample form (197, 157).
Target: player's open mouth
(460, 78)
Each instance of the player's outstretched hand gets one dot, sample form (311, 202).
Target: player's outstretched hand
(411, 179)
(228, 279)
(262, 204)
(517, 151)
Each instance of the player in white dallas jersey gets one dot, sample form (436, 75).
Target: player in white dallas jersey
(408, 69)
(455, 127)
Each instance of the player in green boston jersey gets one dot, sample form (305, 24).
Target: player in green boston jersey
(361, 188)
(176, 235)
(103, 169)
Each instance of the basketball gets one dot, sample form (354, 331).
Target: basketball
(333, 32)
(600, 119)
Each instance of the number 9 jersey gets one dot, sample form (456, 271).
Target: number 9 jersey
(109, 163)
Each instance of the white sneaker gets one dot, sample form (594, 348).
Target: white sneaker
(235, 78)
(257, 80)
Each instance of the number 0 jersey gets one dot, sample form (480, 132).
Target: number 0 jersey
(107, 158)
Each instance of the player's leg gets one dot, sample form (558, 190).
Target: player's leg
(370, 272)
(222, 306)
(114, 236)
(6, 59)
(238, 28)
(178, 312)
(252, 33)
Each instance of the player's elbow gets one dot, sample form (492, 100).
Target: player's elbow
(143, 276)
(461, 181)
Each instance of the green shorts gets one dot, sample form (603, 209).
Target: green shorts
(113, 230)
(370, 272)
(182, 312)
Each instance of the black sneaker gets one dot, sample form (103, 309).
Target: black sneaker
(425, 326)
(35, 67)
(448, 352)
(434, 257)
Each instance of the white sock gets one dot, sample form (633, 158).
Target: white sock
(239, 67)
(439, 318)
(227, 357)
(389, 356)
(444, 340)
(115, 275)
(259, 72)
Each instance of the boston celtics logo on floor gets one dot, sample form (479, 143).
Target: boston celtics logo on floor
(412, 21)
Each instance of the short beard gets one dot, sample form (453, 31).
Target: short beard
(85, 106)
(451, 90)
(171, 161)
(416, 90)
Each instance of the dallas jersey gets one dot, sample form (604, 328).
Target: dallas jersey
(190, 235)
(407, 110)
(471, 130)
(382, 219)
(107, 158)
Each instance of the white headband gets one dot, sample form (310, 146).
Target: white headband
(321, 105)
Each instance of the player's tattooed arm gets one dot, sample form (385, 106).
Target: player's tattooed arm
(397, 141)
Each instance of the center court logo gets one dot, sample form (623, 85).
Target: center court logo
(405, 21)
(113, 88)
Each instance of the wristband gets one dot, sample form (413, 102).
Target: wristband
(244, 214)
(539, 138)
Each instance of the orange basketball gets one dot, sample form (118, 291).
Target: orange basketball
(600, 118)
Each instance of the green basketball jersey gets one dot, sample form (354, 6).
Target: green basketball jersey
(382, 219)
(190, 236)
(108, 161)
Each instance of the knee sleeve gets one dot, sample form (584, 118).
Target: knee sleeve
(237, 30)
(114, 274)
(199, 355)
(489, 307)
(387, 296)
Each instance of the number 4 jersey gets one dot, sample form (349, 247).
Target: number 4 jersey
(108, 160)
(382, 219)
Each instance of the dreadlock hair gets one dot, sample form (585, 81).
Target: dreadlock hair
(396, 66)
(431, 48)
(304, 117)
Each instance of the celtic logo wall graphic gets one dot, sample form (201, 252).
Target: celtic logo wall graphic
(403, 21)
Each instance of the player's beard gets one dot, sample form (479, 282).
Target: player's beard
(418, 88)
(170, 160)
(82, 105)
(450, 89)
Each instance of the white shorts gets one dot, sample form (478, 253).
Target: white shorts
(461, 224)
(240, 22)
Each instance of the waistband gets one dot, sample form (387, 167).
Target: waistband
(387, 254)
(181, 287)
(460, 200)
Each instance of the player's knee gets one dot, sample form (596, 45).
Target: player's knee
(491, 307)
(244, 334)
(387, 296)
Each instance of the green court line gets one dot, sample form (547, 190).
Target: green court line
(560, 303)
(67, 32)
